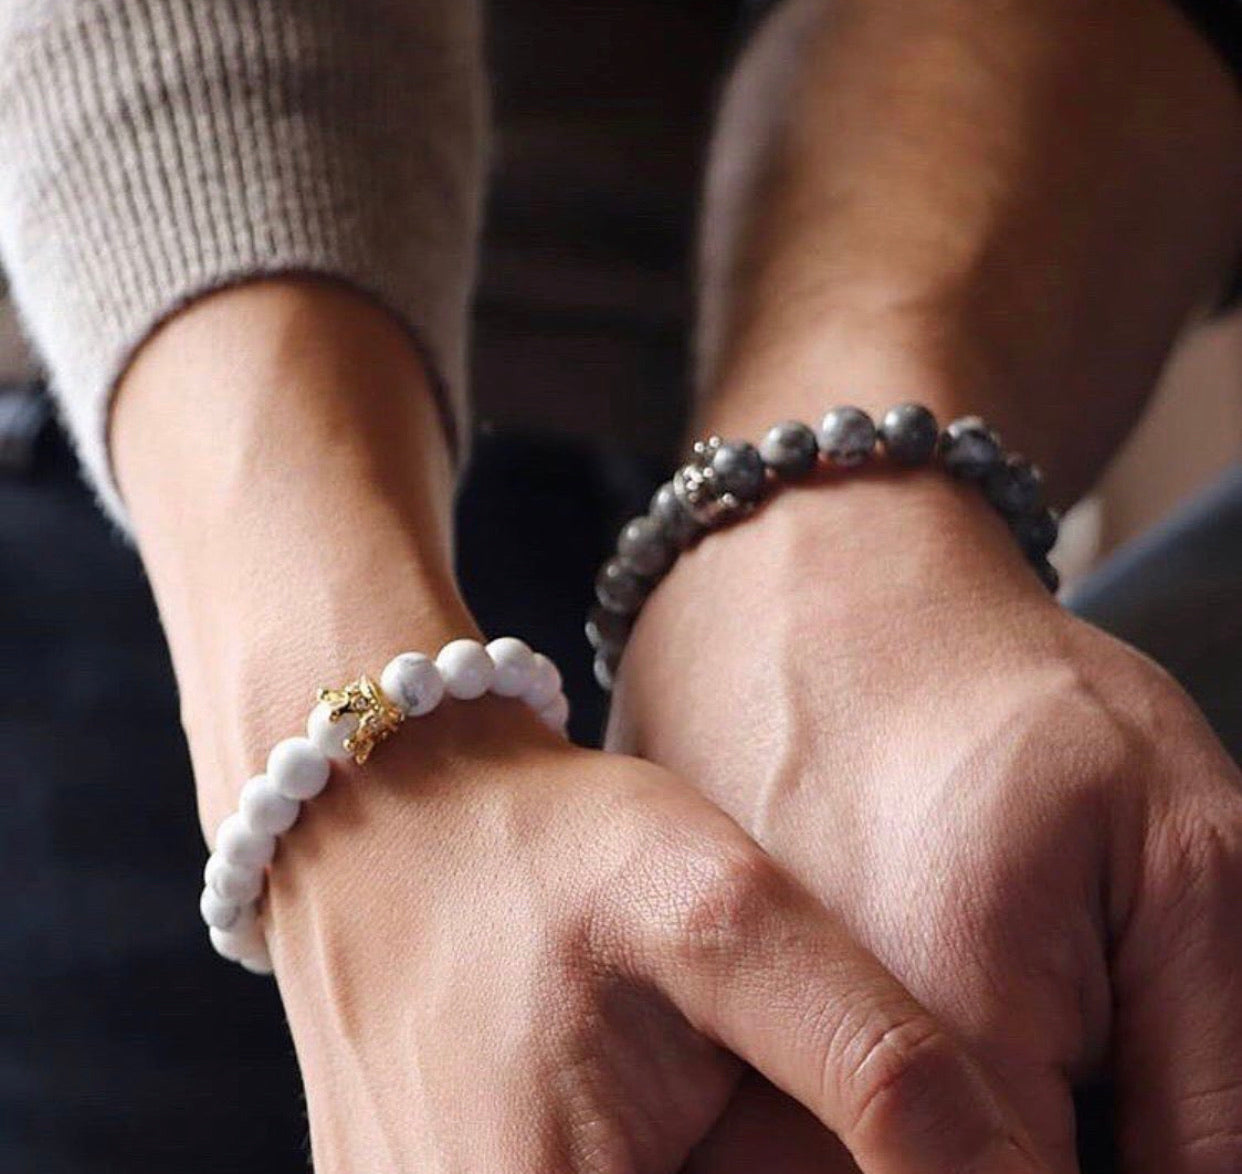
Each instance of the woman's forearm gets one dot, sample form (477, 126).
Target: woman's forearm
(282, 457)
(155, 152)
(1010, 209)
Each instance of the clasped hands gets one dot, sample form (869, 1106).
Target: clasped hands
(903, 852)
(961, 852)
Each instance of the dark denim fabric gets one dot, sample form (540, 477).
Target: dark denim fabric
(125, 1045)
(121, 1047)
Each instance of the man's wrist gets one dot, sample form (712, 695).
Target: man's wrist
(856, 571)
(868, 537)
(836, 611)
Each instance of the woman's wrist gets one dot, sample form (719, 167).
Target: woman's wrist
(282, 458)
(342, 870)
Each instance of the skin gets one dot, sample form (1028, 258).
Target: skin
(496, 951)
(1010, 209)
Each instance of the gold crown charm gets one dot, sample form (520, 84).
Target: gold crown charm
(378, 718)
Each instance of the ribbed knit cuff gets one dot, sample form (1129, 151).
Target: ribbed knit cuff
(153, 150)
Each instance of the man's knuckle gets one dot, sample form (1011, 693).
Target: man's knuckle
(730, 899)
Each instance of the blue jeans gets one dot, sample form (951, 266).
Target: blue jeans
(124, 1043)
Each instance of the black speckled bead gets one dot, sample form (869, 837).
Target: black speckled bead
(1037, 532)
(1015, 487)
(643, 548)
(847, 437)
(970, 449)
(909, 433)
(738, 469)
(678, 526)
(618, 589)
(790, 450)
(607, 629)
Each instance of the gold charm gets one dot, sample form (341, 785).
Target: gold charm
(378, 718)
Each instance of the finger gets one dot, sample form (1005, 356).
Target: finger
(1178, 978)
(753, 961)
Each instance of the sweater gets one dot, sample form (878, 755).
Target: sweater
(154, 150)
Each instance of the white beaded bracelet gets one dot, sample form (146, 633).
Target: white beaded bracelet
(349, 723)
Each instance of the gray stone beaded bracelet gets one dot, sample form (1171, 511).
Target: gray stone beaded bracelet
(726, 480)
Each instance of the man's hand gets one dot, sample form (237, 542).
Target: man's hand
(1027, 821)
(1012, 210)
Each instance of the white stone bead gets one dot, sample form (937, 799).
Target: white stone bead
(412, 682)
(265, 809)
(545, 683)
(328, 737)
(515, 664)
(298, 769)
(217, 912)
(225, 944)
(239, 844)
(235, 883)
(466, 668)
(555, 715)
(244, 940)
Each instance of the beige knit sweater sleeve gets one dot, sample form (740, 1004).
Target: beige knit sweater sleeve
(152, 150)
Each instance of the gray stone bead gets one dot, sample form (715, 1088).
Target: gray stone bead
(970, 449)
(678, 526)
(1036, 532)
(738, 469)
(643, 548)
(847, 437)
(790, 450)
(1015, 486)
(607, 629)
(909, 433)
(618, 589)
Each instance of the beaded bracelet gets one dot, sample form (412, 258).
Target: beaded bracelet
(349, 723)
(725, 481)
